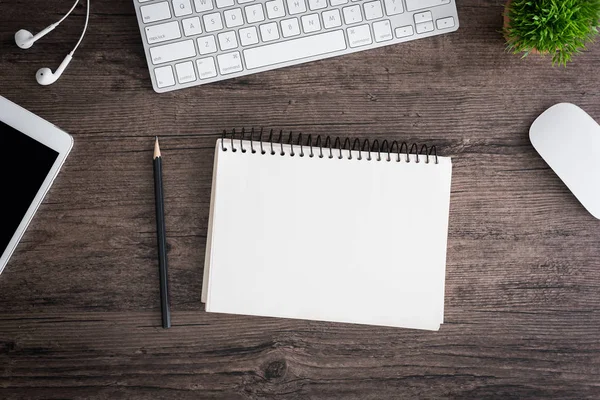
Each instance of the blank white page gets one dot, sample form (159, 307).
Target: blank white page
(341, 240)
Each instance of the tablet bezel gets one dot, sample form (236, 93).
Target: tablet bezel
(47, 134)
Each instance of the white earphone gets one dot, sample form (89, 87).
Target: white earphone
(25, 39)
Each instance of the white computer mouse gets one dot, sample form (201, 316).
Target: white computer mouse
(568, 139)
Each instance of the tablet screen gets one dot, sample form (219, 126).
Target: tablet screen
(24, 164)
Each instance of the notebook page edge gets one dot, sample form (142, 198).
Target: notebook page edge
(446, 249)
(207, 253)
(434, 327)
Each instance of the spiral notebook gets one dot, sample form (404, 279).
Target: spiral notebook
(328, 230)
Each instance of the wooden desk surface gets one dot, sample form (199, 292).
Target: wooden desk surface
(79, 303)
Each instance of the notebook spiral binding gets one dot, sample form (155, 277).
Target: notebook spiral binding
(329, 145)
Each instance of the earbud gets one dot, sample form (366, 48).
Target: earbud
(45, 76)
(25, 39)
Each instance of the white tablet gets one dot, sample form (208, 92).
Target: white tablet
(32, 151)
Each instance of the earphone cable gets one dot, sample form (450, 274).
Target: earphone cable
(69, 13)
(87, 18)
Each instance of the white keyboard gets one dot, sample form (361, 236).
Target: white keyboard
(193, 42)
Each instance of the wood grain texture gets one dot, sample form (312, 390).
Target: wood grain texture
(79, 304)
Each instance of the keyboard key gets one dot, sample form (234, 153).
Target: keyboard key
(359, 36)
(227, 40)
(404, 31)
(373, 10)
(233, 17)
(230, 63)
(269, 32)
(352, 14)
(425, 27)
(295, 49)
(338, 2)
(182, 7)
(244, 1)
(224, 3)
(213, 22)
(317, 4)
(275, 9)
(332, 19)
(412, 5)
(207, 45)
(163, 32)
(255, 13)
(423, 17)
(206, 68)
(192, 26)
(155, 12)
(290, 27)
(164, 76)
(203, 5)
(296, 6)
(311, 23)
(249, 36)
(173, 51)
(445, 23)
(185, 72)
(393, 7)
(382, 30)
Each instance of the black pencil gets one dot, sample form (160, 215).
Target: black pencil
(162, 238)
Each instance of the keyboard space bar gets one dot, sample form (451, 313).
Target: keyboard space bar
(412, 5)
(295, 49)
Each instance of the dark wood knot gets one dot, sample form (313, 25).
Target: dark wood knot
(275, 369)
(7, 347)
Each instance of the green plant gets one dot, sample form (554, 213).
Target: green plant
(560, 28)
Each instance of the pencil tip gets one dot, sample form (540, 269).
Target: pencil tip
(156, 148)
